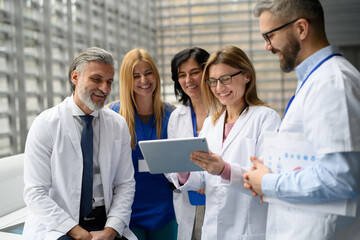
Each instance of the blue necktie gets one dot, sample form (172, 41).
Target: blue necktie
(87, 179)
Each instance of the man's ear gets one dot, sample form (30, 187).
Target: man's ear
(75, 77)
(302, 28)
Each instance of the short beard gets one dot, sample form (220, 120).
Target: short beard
(290, 53)
(85, 97)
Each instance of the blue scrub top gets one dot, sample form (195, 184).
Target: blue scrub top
(153, 202)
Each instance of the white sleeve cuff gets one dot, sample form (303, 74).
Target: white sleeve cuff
(237, 174)
(117, 224)
(236, 179)
(194, 182)
(174, 179)
(66, 225)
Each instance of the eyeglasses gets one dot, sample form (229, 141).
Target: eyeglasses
(267, 38)
(226, 79)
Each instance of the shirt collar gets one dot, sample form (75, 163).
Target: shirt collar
(76, 111)
(304, 68)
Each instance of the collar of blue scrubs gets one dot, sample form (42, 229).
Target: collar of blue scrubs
(305, 68)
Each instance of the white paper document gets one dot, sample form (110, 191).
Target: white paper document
(287, 152)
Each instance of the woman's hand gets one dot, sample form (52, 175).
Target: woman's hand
(210, 162)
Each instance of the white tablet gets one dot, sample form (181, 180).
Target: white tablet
(172, 155)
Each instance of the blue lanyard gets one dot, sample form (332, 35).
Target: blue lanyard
(193, 118)
(194, 197)
(316, 67)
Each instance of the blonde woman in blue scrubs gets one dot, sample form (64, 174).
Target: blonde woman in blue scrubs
(147, 116)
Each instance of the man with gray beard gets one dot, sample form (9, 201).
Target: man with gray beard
(78, 171)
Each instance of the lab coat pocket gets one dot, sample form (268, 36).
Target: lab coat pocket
(121, 165)
(240, 152)
(110, 158)
(239, 158)
(285, 221)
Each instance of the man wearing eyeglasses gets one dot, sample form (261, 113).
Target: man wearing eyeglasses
(326, 110)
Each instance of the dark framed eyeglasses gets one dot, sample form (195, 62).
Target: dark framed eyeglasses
(226, 79)
(267, 38)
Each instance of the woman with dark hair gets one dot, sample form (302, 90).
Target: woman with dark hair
(234, 132)
(186, 121)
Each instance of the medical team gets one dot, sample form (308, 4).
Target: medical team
(85, 176)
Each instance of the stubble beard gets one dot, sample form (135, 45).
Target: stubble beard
(289, 53)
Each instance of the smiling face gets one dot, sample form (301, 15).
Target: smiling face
(189, 75)
(283, 42)
(144, 80)
(231, 95)
(92, 86)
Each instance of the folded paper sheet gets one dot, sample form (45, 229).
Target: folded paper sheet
(286, 152)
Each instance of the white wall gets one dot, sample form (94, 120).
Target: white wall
(342, 19)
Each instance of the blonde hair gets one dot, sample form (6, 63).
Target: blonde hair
(127, 98)
(236, 58)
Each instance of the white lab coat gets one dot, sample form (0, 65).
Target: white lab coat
(180, 126)
(322, 95)
(231, 212)
(53, 172)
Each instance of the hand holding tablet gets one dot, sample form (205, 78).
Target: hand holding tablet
(172, 155)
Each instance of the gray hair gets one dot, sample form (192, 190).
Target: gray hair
(93, 54)
(288, 10)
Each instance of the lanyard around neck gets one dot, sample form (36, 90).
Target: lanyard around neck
(313, 70)
(193, 118)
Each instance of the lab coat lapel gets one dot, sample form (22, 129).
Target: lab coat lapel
(105, 149)
(238, 126)
(66, 118)
(218, 135)
(105, 135)
(186, 112)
